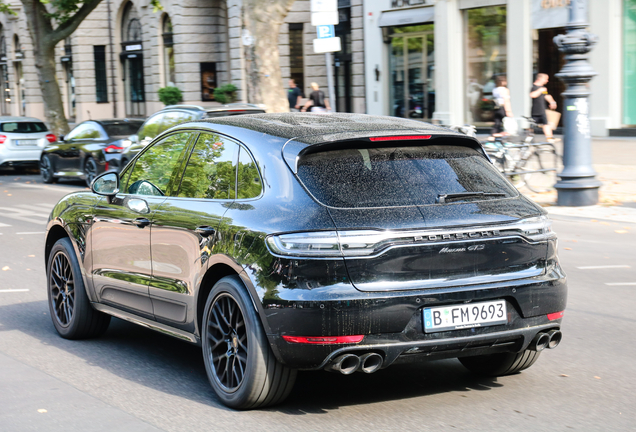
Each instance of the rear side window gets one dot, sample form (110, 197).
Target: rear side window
(398, 176)
(211, 169)
(122, 129)
(23, 127)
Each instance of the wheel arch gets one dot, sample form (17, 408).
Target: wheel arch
(54, 233)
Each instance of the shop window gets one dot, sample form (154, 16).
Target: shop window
(101, 83)
(486, 47)
(629, 63)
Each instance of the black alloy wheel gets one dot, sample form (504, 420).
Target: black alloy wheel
(90, 170)
(239, 362)
(62, 286)
(46, 169)
(228, 342)
(71, 311)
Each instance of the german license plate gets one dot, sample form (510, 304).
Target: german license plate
(26, 142)
(464, 316)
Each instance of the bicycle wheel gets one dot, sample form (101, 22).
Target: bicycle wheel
(543, 166)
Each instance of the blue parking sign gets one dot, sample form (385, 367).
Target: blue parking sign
(325, 31)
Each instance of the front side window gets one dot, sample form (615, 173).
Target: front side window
(398, 176)
(85, 131)
(211, 170)
(157, 168)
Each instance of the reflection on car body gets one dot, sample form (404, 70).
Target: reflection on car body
(285, 242)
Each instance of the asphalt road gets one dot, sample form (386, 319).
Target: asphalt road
(133, 379)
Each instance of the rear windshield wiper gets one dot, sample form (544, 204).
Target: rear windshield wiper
(442, 198)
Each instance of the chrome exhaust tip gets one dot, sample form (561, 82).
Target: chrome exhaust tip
(370, 362)
(555, 338)
(346, 364)
(540, 342)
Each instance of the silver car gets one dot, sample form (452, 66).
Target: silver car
(22, 140)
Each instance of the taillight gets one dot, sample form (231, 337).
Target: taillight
(113, 149)
(555, 316)
(324, 340)
(3, 138)
(106, 167)
(51, 138)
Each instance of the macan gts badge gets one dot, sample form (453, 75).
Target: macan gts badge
(286, 242)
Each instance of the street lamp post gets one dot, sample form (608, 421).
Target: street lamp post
(577, 185)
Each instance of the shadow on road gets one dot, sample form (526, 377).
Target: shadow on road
(174, 367)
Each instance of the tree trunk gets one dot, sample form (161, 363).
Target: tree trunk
(44, 53)
(262, 19)
(44, 39)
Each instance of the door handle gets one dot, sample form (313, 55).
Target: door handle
(141, 222)
(205, 231)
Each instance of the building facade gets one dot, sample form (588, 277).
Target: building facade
(438, 59)
(124, 52)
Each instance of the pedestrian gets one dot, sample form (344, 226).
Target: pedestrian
(317, 100)
(540, 97)
(294, 95)
(501, 97)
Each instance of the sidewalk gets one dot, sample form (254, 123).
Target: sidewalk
(614, 160)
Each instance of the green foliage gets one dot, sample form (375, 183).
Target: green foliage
(225, 94)
(170, 95)
(6, 9)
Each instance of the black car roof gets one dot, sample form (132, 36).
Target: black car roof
(319, 128)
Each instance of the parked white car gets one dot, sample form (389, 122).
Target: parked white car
(22, 140)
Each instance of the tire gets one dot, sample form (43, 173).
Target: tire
(46, 169)
(500, 364)
(71, 311)
(90, 171)
(233, 337)
(540, 182)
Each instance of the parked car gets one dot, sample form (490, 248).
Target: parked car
(281, 242)
(22, 140)
(92, 147)
(173, 115)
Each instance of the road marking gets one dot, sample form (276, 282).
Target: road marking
(13, 290)
(603, 267)
(34, 232)
(620, 283)
(31, 215)
(4, 225)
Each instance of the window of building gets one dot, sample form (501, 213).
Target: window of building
(168, 52)
(486, 47)
(296, 63)
(101, 83)
(5, 87)
(208, 80)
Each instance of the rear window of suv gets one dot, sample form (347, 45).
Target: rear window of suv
(398, 176)
(23, 127)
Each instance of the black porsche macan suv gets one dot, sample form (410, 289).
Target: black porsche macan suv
(281, 242)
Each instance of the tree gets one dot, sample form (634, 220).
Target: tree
(262, 21)
(47, 27)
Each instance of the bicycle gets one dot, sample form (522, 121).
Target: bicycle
(524, 162)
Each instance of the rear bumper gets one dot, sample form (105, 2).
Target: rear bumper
(19, 156)
(392, 322)
(395, 349)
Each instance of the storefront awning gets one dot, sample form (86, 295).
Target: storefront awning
(407, 16)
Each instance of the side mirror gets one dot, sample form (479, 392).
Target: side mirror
(60, 138)
(106, 184)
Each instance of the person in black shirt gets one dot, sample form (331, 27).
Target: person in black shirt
(294, 95)
(317, 100)
(540, 97)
